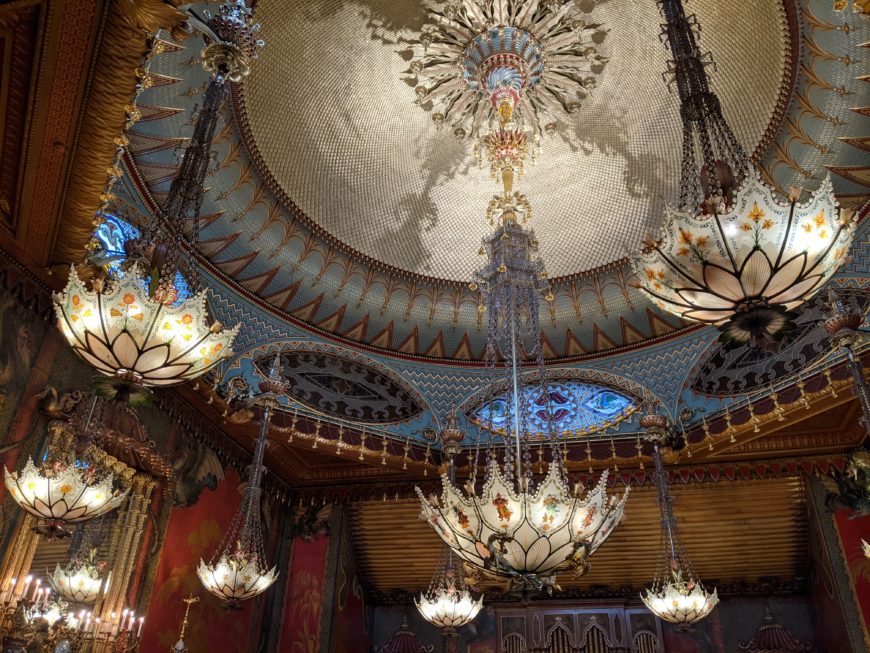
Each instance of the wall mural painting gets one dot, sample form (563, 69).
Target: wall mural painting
(195, 532)
(827, 613)
(300, 632)
(345, 388)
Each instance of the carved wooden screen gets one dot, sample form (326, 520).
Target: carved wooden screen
(595, 640)
(646, 642)
(578, 627)
(559, 640)
(513, 643)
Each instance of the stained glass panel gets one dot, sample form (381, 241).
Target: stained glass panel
(575, 408)
(111, 236)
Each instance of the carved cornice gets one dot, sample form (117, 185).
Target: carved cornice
(122, 46)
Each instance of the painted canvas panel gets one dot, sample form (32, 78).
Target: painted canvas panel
(304, 597)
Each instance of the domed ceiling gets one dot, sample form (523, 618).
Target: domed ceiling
(330, 112)
(337, 208)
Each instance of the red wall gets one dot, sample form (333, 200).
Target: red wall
(304, 596)
(851, 531)
(195, 533)
(351, 627)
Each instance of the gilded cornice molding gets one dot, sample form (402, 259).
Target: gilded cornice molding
(122, 46)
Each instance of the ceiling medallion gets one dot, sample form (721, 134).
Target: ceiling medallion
(535, 59)
(735, 255)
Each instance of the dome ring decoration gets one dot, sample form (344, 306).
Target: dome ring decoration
(125, 332)
(745, 269)
(339, 384)
(525, 537)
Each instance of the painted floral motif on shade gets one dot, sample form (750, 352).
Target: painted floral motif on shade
(575, 408)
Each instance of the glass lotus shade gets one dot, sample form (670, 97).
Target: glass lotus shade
(528, 536)
(236, 577)
(741, 270)
(62, 494)
(448, 608)
(78, 583)
(680, 602)
(125, 333)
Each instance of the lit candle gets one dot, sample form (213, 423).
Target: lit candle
(96, 626)
(45, 598)
(139, 632)
(36, 589)
(27, 582)
(132, 620)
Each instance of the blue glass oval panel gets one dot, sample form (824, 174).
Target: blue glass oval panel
(574, 407)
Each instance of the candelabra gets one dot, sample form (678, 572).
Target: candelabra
(31, 615)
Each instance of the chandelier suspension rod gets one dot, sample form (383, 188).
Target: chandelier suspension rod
(515, 375)
(665, 499)
(861, 389)
(259, 453)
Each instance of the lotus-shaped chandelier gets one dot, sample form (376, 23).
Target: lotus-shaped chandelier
(78, 582)
(60, 492)
(139, 328)
(676, 595)
(447, 603)
(236, 576)
(680, 601)
(743, 269)
(151, 339)
(736, 254)
(498, 71)
(238, 570)
(528, 535)
(478, 60)
(512, 526)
